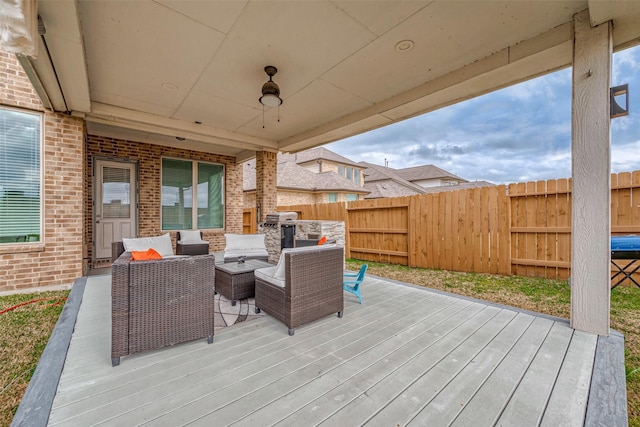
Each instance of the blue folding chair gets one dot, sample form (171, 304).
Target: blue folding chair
(351, 282)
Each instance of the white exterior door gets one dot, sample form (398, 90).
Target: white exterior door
(115, 205)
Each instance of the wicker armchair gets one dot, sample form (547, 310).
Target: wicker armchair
(311, 289)
(160, 303)
(195, 247)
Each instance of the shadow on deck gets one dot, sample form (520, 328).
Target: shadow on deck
(407, 356)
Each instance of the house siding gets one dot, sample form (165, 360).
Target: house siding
(342, 197)
(148, 158)
(329, 167)
(58, 259)
(287, 198)
(436, 182)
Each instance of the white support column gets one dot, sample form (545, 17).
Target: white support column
(591, 172)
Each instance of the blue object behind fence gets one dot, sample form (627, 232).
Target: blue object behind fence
(625, 247)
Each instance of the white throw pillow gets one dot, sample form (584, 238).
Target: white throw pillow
(190, 236)
(244, 241)
(162, 244)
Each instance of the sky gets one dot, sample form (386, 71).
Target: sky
(517, 134)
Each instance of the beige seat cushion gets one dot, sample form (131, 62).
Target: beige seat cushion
(162, 244)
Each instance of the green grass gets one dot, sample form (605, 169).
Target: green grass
(25, 332)
(551, 297)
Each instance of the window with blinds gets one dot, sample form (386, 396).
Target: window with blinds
(116, 187)
(20, 177)
(184, 182)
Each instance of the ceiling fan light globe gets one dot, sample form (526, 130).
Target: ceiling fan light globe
(270, 100)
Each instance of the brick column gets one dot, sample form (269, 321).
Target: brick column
(266, 183)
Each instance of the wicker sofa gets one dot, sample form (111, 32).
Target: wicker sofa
(160, 303)
(247, 246)
(305, 286)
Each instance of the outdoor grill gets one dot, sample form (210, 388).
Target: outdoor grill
(272, 219)
(625, 247)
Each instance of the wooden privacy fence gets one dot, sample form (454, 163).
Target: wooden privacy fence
(540, 223)
(522, 229)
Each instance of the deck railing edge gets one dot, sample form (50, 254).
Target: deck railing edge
(35, 406)
(607, 403)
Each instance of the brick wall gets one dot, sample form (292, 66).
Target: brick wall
(57, 260)
(287, 198)
(266, 182)
(329, 166)
(148, 158)
(249, 199)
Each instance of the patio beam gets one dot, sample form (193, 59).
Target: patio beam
(591, 172)
(136, 120)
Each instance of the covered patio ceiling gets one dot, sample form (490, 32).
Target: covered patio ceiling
(152, 71)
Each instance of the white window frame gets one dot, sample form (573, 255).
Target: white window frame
(194, 195)
(41, 162)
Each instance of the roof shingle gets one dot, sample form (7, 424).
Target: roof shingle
(293, 176)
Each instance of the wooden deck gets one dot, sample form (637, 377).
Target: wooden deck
(407, 356)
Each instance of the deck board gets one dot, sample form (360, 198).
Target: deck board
(407, 356)
(450, 400)
(530, 398)
(567, 405)
(494, 394)
(408, 402)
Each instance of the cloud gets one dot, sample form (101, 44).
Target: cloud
(516, 134)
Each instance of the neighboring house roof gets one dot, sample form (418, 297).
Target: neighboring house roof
(383, 181)
(418, 173)
(379, 181)
(386, 189)
(321, 153)
(390, 188)
(461, 186)
(375, 173)
(294, 177)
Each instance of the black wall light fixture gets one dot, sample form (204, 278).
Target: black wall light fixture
(270, 92)
(615, 95)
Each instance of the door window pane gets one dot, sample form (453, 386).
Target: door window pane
(115, 192)
(19, 176)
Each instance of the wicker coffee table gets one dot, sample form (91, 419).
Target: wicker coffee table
(236, 280)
